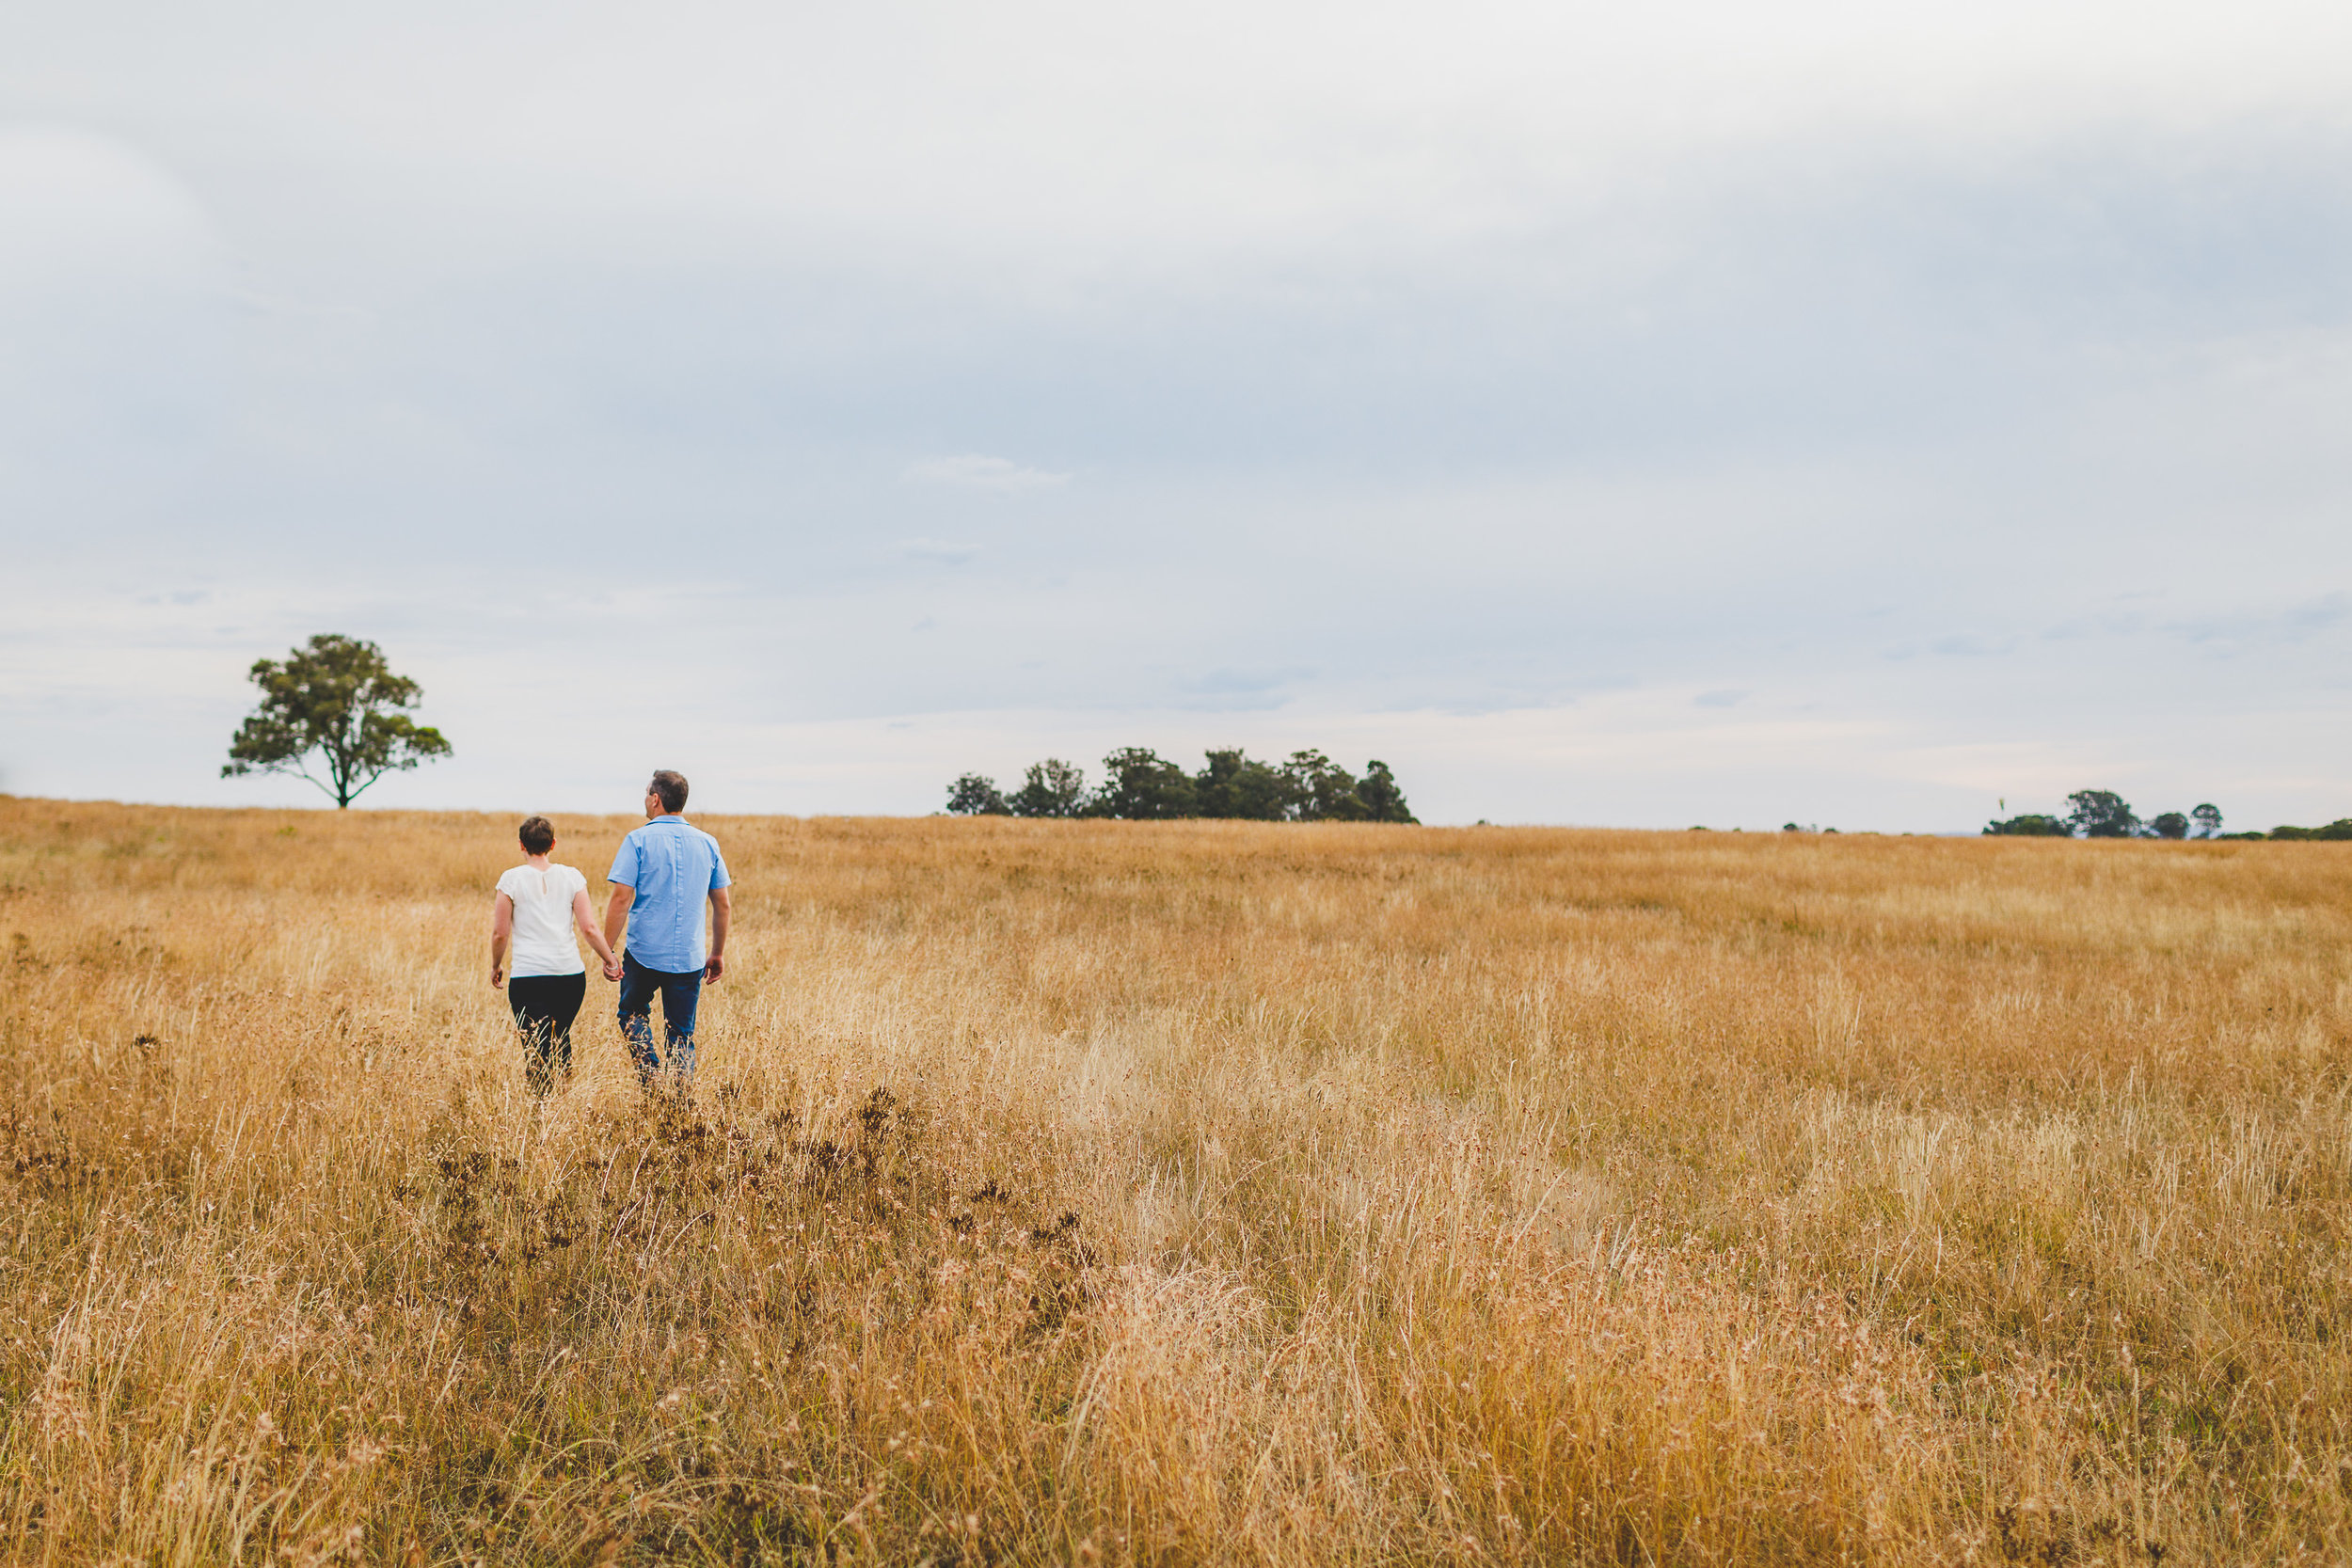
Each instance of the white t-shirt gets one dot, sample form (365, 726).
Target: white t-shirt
(544, 944)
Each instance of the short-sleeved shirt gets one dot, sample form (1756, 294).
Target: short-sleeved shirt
(675, 867)
(544, 944)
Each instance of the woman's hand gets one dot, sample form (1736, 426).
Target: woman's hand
(497, 977)
(612, 968)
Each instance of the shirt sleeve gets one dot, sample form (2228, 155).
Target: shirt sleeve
(505, 878)
(719, 876)
(624, 863)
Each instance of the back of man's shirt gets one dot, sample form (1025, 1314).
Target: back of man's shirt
(675, 867)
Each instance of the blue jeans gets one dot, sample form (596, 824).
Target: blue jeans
(680, 994)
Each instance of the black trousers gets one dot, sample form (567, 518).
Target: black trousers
(544, 1006)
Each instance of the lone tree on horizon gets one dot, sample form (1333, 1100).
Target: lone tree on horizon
(336, 697)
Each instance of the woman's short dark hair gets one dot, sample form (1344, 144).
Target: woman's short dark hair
(672, 788)
(538, 836)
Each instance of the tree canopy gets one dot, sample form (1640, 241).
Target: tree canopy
(1383, 798)
(1139, 784)
(973, 796)
(1052, 789)
(1234, 786)
(2030, 826)
(337, 700)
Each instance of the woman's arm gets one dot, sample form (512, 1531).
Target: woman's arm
(584, 916)
(502, 932)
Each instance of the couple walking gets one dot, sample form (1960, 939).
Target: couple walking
(659, 878)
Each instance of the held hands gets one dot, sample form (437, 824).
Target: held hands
(612, 968)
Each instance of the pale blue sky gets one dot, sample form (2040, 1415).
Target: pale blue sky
(1725, 414)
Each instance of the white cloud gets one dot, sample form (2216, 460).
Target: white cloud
(941, 550)
(79, 211)
(973, 472)
(2236, 631)
(1502, 358)
(1076, 136)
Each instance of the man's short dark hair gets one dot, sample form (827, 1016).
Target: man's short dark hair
(672, 788)
(538, 836)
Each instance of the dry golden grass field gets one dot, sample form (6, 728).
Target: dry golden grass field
(1206, 1192)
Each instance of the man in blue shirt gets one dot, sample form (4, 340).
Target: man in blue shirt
(663, 872)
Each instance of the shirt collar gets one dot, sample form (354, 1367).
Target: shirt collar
(665, 816)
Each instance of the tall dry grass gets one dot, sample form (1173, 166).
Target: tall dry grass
(1112, 1193)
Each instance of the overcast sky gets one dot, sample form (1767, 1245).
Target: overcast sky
(1853, 414)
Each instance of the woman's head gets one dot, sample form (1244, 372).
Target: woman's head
(538, 836)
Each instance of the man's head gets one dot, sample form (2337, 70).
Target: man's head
(666, 795)
(538, 836)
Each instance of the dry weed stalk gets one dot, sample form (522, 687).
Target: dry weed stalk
(1110, 1193)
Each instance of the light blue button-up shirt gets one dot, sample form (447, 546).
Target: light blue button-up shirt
(675, 867)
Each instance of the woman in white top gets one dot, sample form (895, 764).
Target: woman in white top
(538, 907)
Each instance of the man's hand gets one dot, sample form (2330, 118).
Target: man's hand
(716, 967)
(497, 977)
(613, 970)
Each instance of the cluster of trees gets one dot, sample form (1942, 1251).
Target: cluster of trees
(2340, 829)
(1140, 786)
(2103, 814)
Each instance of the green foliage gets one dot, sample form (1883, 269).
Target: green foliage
(2101, 814)
(1383, 798)
(1140, 786)
(1322, 790)
(2170, 824)
(2340, 829)
(2028, 827)
(1052, 789)
(2208, 820)
(1233, 785)
(336, 698)
(974, 795)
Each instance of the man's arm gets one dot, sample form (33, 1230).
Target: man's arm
(616, 913)
(722, 911)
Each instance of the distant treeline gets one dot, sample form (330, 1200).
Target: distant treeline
(1140, 786)
(2103, 814)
